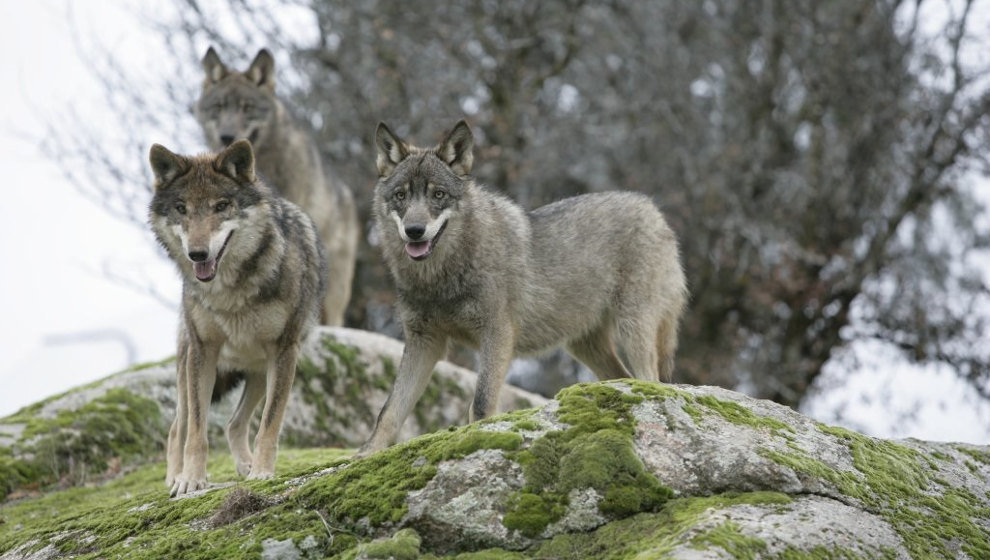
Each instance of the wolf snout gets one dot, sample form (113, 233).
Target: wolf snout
(227, 139)
(198, 256)
(415, 231)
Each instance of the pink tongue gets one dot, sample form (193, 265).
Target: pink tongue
(417, 248)
(205, 270)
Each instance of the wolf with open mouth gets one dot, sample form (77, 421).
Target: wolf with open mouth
(598, 274)
(253, 276)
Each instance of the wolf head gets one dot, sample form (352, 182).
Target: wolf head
(237, 105)
(201, 203)
(420, 189)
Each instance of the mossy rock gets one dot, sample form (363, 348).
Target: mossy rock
(613, 470)
(343, 379)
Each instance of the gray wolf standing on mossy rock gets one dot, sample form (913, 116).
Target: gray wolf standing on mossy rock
(469, 265)
(253, 275)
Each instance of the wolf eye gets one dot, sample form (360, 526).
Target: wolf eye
(439, 194)
(181, 209)
(399, 195)
(221, 206)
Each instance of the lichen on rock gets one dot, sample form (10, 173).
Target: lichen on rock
(615, 470)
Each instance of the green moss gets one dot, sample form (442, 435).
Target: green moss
(404, 545)
(728, 537)
(738, 414)
(658, 391)
(132, 517)
(522, 415)
(375, 487)
(78, 445)
(590, 407)
(530, 513)
(976, 454)
(898, 482)
(694, 412)
(15, 473)
(696, 407)
(525, 425)
(941, 456)
(595, 451)
(650, 535)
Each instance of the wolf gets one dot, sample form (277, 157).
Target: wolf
(243, 105)
(253, 275)
(469, 265)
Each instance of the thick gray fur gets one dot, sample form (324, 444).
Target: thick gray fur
(586, 273)
(247, 303)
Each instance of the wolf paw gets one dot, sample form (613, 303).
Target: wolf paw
(260, 474)
(366, 450)
(243, 467)
(185, 485)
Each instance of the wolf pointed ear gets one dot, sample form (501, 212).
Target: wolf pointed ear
(237, 161)
(214, 68)
(262, 70)
(391, 150)
(165, 165)
(457, 149)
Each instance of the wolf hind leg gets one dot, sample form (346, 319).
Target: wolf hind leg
(237, 428)
(278, 384)
(597, 351)
(666, 347)
(639, 341)
(338, 294)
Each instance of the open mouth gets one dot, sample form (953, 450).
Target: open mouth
(419, 250)
(207, 270)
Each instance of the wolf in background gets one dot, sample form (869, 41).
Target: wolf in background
(469, 265)
(253, 275)
(243, 105)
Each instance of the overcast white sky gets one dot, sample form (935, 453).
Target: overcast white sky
(54, 244)
(53, 241)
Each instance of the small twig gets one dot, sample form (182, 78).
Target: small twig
(325, 525)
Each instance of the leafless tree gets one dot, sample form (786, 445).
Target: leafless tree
(817, 159)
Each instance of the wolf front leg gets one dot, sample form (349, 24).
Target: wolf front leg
(177, 433)
(281, 373)
(421, 354)
(497, 345)
(201, 374)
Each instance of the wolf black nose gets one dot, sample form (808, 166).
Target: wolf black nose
(198, 256)
(415, 231)
(226, 139)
